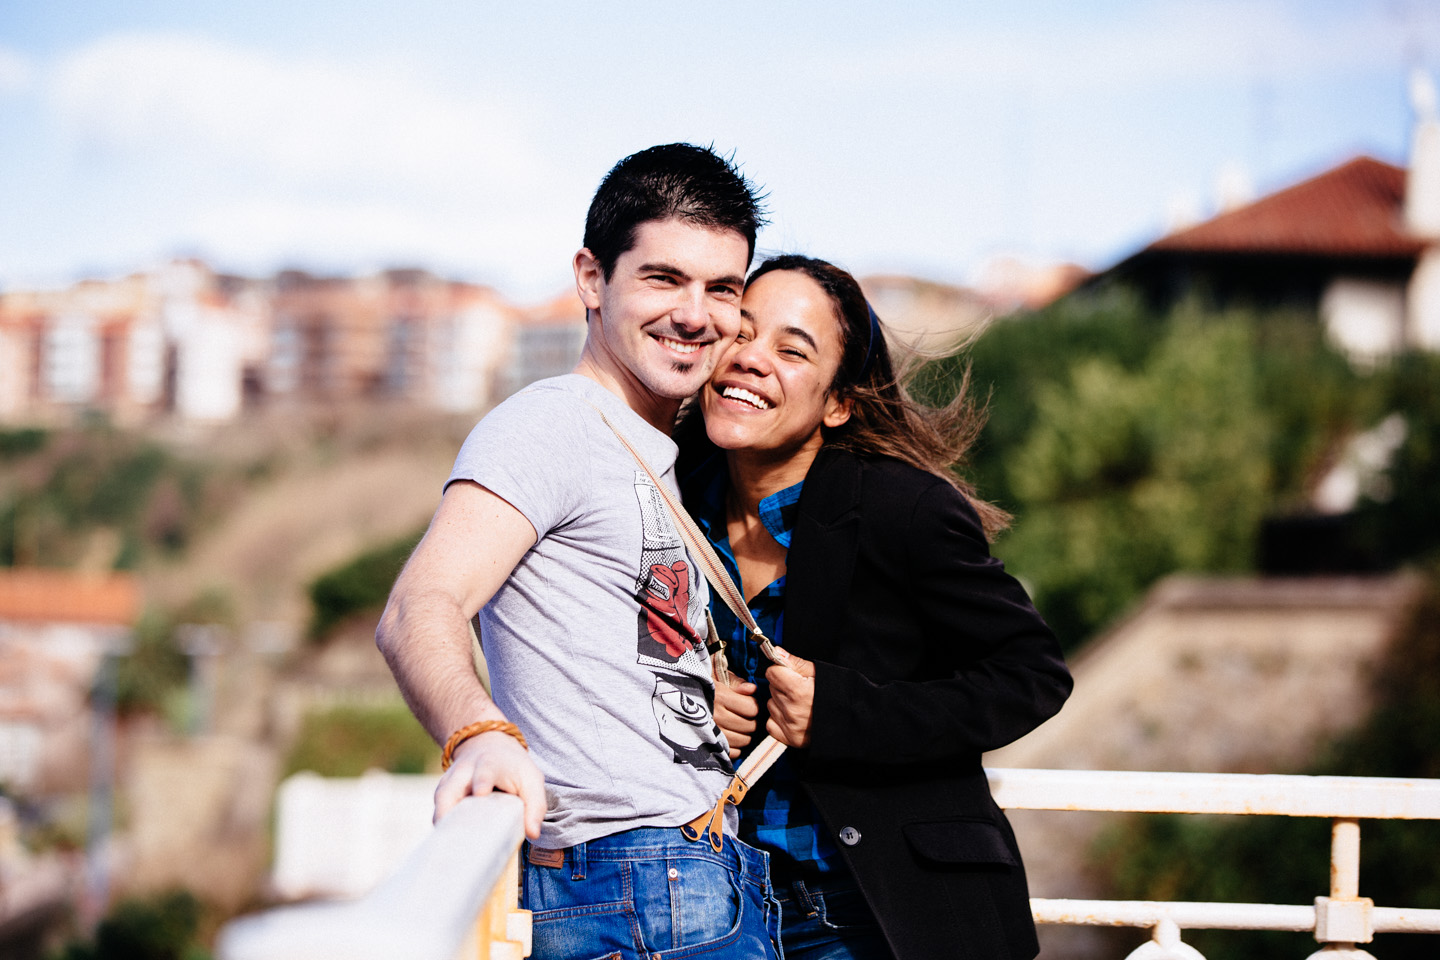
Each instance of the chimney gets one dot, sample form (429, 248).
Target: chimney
(1422, 188)
(1422, 216)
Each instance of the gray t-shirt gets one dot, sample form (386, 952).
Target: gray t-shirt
(595, 643)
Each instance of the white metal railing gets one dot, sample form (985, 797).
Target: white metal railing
(456, 895)
(1340, 921)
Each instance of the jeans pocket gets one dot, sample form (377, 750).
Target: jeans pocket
(685, 902)
(597, 933)
(588, 919)
(845, 911)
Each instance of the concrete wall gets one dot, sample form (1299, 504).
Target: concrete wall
(1218, 675)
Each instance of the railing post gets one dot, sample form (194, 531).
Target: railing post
(1345, 859)
(502, 930)
(1343, 919)
(1165, 944)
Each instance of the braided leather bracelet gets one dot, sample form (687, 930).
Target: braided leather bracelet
(474, 730)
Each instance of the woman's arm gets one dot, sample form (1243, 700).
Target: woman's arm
(1008, 676)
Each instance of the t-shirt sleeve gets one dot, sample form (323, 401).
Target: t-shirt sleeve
(533, 452)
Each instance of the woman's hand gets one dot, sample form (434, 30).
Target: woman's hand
(735, 712)
(792, 698)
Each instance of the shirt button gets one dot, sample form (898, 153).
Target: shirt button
(849, 836)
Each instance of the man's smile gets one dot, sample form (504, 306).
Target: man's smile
(680, 346)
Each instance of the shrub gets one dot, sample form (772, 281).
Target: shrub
(15, 444)
(359, 585)
(347, 740)
(156, 928)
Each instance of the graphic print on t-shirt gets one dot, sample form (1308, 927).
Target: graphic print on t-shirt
(683, 712)
(662, 586)
(667, 640)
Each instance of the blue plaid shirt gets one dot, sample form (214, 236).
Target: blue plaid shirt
(777, 817)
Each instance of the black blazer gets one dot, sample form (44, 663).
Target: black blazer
(927, 653)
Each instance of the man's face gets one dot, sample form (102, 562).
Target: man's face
(669, 309)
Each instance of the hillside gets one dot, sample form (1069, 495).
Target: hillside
(245, 514)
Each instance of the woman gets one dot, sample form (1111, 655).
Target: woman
(910, 651)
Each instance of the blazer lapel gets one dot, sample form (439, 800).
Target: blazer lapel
(822, 553)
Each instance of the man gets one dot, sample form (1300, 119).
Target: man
(592, 614)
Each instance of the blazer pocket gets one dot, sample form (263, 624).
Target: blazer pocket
(958, 841)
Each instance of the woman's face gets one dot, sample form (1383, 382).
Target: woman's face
(771, 389)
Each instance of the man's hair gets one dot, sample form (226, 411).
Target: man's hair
(672, 181)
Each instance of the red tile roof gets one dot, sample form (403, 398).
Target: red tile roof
(1353, 210)
(67, 597)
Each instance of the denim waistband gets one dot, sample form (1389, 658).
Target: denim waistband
(800, 890)
(658, 843)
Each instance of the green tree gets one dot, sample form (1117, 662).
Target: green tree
(1407, 521)
(153, 668)
(1018, 355)
(1127, 475)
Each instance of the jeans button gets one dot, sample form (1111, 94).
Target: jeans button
(849, 836)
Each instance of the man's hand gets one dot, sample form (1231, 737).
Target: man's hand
(490, 762)
(735, 712)
(792, 698)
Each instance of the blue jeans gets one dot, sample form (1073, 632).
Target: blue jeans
(650, 894)
(828, 920)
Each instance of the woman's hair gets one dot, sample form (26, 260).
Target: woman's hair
(884, 419)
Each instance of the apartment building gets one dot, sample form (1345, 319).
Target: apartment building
(184, 341)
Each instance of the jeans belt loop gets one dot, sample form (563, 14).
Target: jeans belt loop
(802, 896)
(577, 861)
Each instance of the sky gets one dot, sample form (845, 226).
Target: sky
(468, 136)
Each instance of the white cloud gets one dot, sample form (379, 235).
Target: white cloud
(1162, 42)
(306, 161)
(1058, 132)
(528, 255)
(306, 121)
(16, 72)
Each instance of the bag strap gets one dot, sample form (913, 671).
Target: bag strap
(700, 548)
(711, 823)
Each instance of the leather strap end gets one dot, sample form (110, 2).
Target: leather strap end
(717, 833)
(710, 824)
(734, 793)
(766, 647)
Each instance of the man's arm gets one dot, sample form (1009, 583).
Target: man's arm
(473, 544)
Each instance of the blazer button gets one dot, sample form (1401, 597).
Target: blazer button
(849, 836)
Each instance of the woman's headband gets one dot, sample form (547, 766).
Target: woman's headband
(870, 347)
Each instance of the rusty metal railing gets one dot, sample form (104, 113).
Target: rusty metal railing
(1340, 922)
